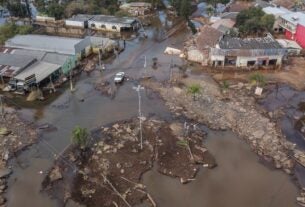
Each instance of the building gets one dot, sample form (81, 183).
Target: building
(13, 64)
(277, 12)
(294, 26)
(137, 8)
(79, 21)
(113, 24)
(35, 75)
(293, 48)
(284, 3)
(223, 25)
(247, 53)
(197, 49)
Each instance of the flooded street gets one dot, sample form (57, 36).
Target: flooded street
(239, 180)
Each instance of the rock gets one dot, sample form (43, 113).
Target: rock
(55, 174)
(259, 133)
(2, 200)
(4, 131)
(5, 172)
(122, 171)
(118, 165)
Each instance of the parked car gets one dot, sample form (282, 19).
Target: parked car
(119, 77)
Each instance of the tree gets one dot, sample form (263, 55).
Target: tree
(80, 137)
(55, 10)
(254, 21)
(194, 90)
(185, 8)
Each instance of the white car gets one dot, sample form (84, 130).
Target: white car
(119, 77)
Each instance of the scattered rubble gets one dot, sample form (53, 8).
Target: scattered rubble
(110, 172)
(234, 111)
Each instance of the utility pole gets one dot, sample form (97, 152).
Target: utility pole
(145, 65)
(71, 82)
(2, 108)
(138, 90)
(171, 69)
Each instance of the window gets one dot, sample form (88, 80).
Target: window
(114, 27)
(93, 25)
(103, 26)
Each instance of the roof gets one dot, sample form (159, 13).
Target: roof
(41, 70)
(15, 60)
(30, 53)
(136, 4)
(276, 11)
(249, 43)
(262, 3)
(284, 3)
(113, 19)
(229, 15)
(224, 22)
(295, 17)
(288, 44)
(62, 45)
(81, 17)
(208, 37)
(55, 58)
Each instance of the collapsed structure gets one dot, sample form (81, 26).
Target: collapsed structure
(212, 47)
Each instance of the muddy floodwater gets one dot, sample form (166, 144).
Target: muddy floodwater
(240, 180)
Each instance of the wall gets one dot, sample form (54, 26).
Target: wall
(289, 35)
(74, 23)
(300, 35)
(108, 26)
(243, 61)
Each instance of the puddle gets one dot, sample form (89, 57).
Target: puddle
(239, 180)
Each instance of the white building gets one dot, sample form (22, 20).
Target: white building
(277, 12)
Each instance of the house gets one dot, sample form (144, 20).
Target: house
(247, 53)
(284, 3)
(79, 21)
(197, 49)
(262, 4)
(294, 25)
(277, 12)
(293, 48)
(113, 24)
(223, 25)
(13, 64)
(137, 8)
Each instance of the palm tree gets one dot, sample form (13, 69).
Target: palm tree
(80, 137)
(194, 90)
(224, 86)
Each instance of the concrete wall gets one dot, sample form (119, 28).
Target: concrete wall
(74, 32)
(243, 61)
(108, 26)
(74, 23)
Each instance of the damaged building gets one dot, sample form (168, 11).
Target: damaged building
(247, 53)
(211, 47)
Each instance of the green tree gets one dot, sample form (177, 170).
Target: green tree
(80, 137)
(185, 9)
(55, 10)
(194, 90)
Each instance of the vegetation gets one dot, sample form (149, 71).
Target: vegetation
(80, 137)
(258, 79)
(183, 8)
(224, 86)
(215, 2)
(10, 30)
(194, 90)
(254, 21)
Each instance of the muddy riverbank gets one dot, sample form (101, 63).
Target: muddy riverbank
(109, 172)
(236, 110)
(16, 135)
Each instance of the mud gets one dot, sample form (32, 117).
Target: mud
(116, 155)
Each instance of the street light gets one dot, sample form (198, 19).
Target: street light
(138, 89)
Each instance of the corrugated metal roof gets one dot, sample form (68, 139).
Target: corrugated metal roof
(31, 53)
(276, 11)
(249, 43)
(62, 45)
(41, 70)
(81, 17)
(15, 60)
(55, 58)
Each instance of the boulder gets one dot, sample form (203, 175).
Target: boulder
(55, 174)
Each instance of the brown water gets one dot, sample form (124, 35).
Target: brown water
(240, 180)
